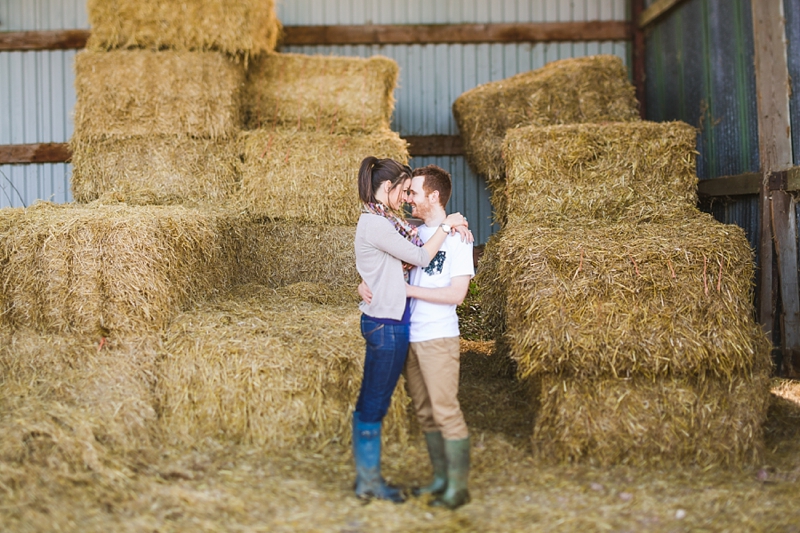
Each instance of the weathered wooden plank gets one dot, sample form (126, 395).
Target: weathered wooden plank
(34, 153)
(657, 9)
(784, 228)
(458, 33)
(433, 145)
(774, 132)
(12, 41)
(424, 145)
(749, 183)
(375, 34)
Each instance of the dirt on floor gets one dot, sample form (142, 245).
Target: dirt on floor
(239, 488)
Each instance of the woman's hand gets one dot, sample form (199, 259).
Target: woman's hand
(455, 220)
(459, 224)
(364, 292)
(466, 234)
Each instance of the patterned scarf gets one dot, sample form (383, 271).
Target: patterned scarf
(398, 221)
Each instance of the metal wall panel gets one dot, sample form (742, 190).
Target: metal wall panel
(433, 76)
(791, 12)
(37, 95)
(700, 69)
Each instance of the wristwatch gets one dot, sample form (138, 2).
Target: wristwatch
(446, 228)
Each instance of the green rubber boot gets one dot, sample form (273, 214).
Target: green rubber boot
(436, 452)
(456, 494)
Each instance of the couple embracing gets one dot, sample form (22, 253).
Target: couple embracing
(413, 279)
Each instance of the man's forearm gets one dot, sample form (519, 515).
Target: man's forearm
(452, 295)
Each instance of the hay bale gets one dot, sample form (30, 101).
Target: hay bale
(569, 91)
(244, 27)
(648, 300)
(692, 420)
(98, 269)
(320, 93)
(623, 172)
(310, 177)
(266, 369)
(281, 253)
(130, 93)
(69, 407)
(492, 288)
(154, 170)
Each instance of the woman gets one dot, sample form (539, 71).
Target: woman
(384, 242)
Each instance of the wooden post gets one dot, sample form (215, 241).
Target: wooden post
(774, 144)
(785, 231)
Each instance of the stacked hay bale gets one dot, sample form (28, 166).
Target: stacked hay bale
(286, 368)
(186, 191)
(569, 91)
(111, 268)
(71, 411)
(159, 98)
(277, 368)
(631, 310)
(311, 120)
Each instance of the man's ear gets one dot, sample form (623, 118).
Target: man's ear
(434, 196)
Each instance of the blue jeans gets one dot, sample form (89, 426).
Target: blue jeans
(387, 348)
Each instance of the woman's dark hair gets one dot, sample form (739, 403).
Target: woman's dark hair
(374, 172)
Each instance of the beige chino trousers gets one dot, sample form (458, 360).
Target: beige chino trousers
(431, 373)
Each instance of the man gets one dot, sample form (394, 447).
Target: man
(433, 363)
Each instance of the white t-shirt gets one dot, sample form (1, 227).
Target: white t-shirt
(438, 321)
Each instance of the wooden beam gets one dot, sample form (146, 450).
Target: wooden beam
(432, 145)
(14, 41)
(749, 183)
(784, 228)
(658, 9)
(34, 153)
(14, 154)
(458, 33)
(611, 30)
(774, 133)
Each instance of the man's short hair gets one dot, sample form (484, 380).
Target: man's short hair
(436, 179)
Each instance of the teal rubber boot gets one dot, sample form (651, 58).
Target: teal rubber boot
(367, 453)
(436, 452)
(456, 494)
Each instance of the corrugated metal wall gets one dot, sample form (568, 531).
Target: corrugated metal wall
(37, 88)
(699, 69)
(791, 11)
(433, 76)
(37, 94)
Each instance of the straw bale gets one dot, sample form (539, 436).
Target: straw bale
(244, 27)
(282, 253)
(129, 93)
(569, 91)
(648, 300)
(97, 269)
(636, 172)
(492, 288)
(700, 420)
(320, 93)
(154, 170)
(266, 369)
(310, 177)
(73, 407)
